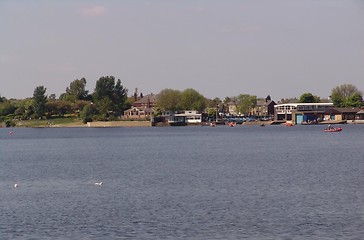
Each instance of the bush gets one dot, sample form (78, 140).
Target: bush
(9, 123)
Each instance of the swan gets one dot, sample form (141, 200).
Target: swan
(98, 183)
(15, 185)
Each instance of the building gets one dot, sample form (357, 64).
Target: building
(360, 115)
(299, 113)
(183, 117)
(340, 114)
(232, 108)
(148, 101)
(142, 108)
(263, 108)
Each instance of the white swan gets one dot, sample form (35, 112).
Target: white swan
(98, 183)
(15, 185)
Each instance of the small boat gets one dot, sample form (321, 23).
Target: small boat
(338, 129)
(232, 124)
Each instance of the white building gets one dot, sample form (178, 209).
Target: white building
(187, 116)
(295, 111)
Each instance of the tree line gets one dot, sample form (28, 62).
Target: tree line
(107, 102)
(109, 99)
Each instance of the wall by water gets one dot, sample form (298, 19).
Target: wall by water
(120, 124)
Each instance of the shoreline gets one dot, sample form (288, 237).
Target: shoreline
(103, 124)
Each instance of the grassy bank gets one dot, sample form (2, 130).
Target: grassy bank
(54, 122)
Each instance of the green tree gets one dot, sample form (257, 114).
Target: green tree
(309, 98)
(76, 91)
(88, 112)
(346, 95)
(245, 103)
(39, 101)
(354, 100)
(192, 100)
(119, 97)
(58, 107)
(168, 100)
(110, 96)
(7, 108)
(214, 106)
(78, 106)
(227, 100)
(24, 108)
(213, 103)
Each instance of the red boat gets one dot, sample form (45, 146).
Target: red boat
(232, 124)
(333, 129)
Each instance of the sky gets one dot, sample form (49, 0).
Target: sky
(221, 48)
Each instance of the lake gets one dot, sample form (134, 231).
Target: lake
(243, 182)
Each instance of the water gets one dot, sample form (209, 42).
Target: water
(246, 182)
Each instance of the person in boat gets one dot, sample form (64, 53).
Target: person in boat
(329, 127)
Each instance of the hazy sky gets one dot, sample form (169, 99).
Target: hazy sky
(217, 47)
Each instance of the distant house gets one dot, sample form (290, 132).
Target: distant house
(142, 108)
(148, 101)
(263, 108)
(232, 108)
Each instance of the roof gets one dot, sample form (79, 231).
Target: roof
(148, 98)
(264, 103)
(348, 110)
(304, 104)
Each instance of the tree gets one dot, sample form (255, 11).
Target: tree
(168, 100)
(309, 98)
(2, 99)
(192, 100)
(88, 112)
(109, 96)
(346, 95)
(76, 91)
(214, 103)
(78, 106)
(24, 108)
(6, 108)
(355, 100)
(245, 103)
(119, 96)
(288, 100)
(58, 107)
(39, 101)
